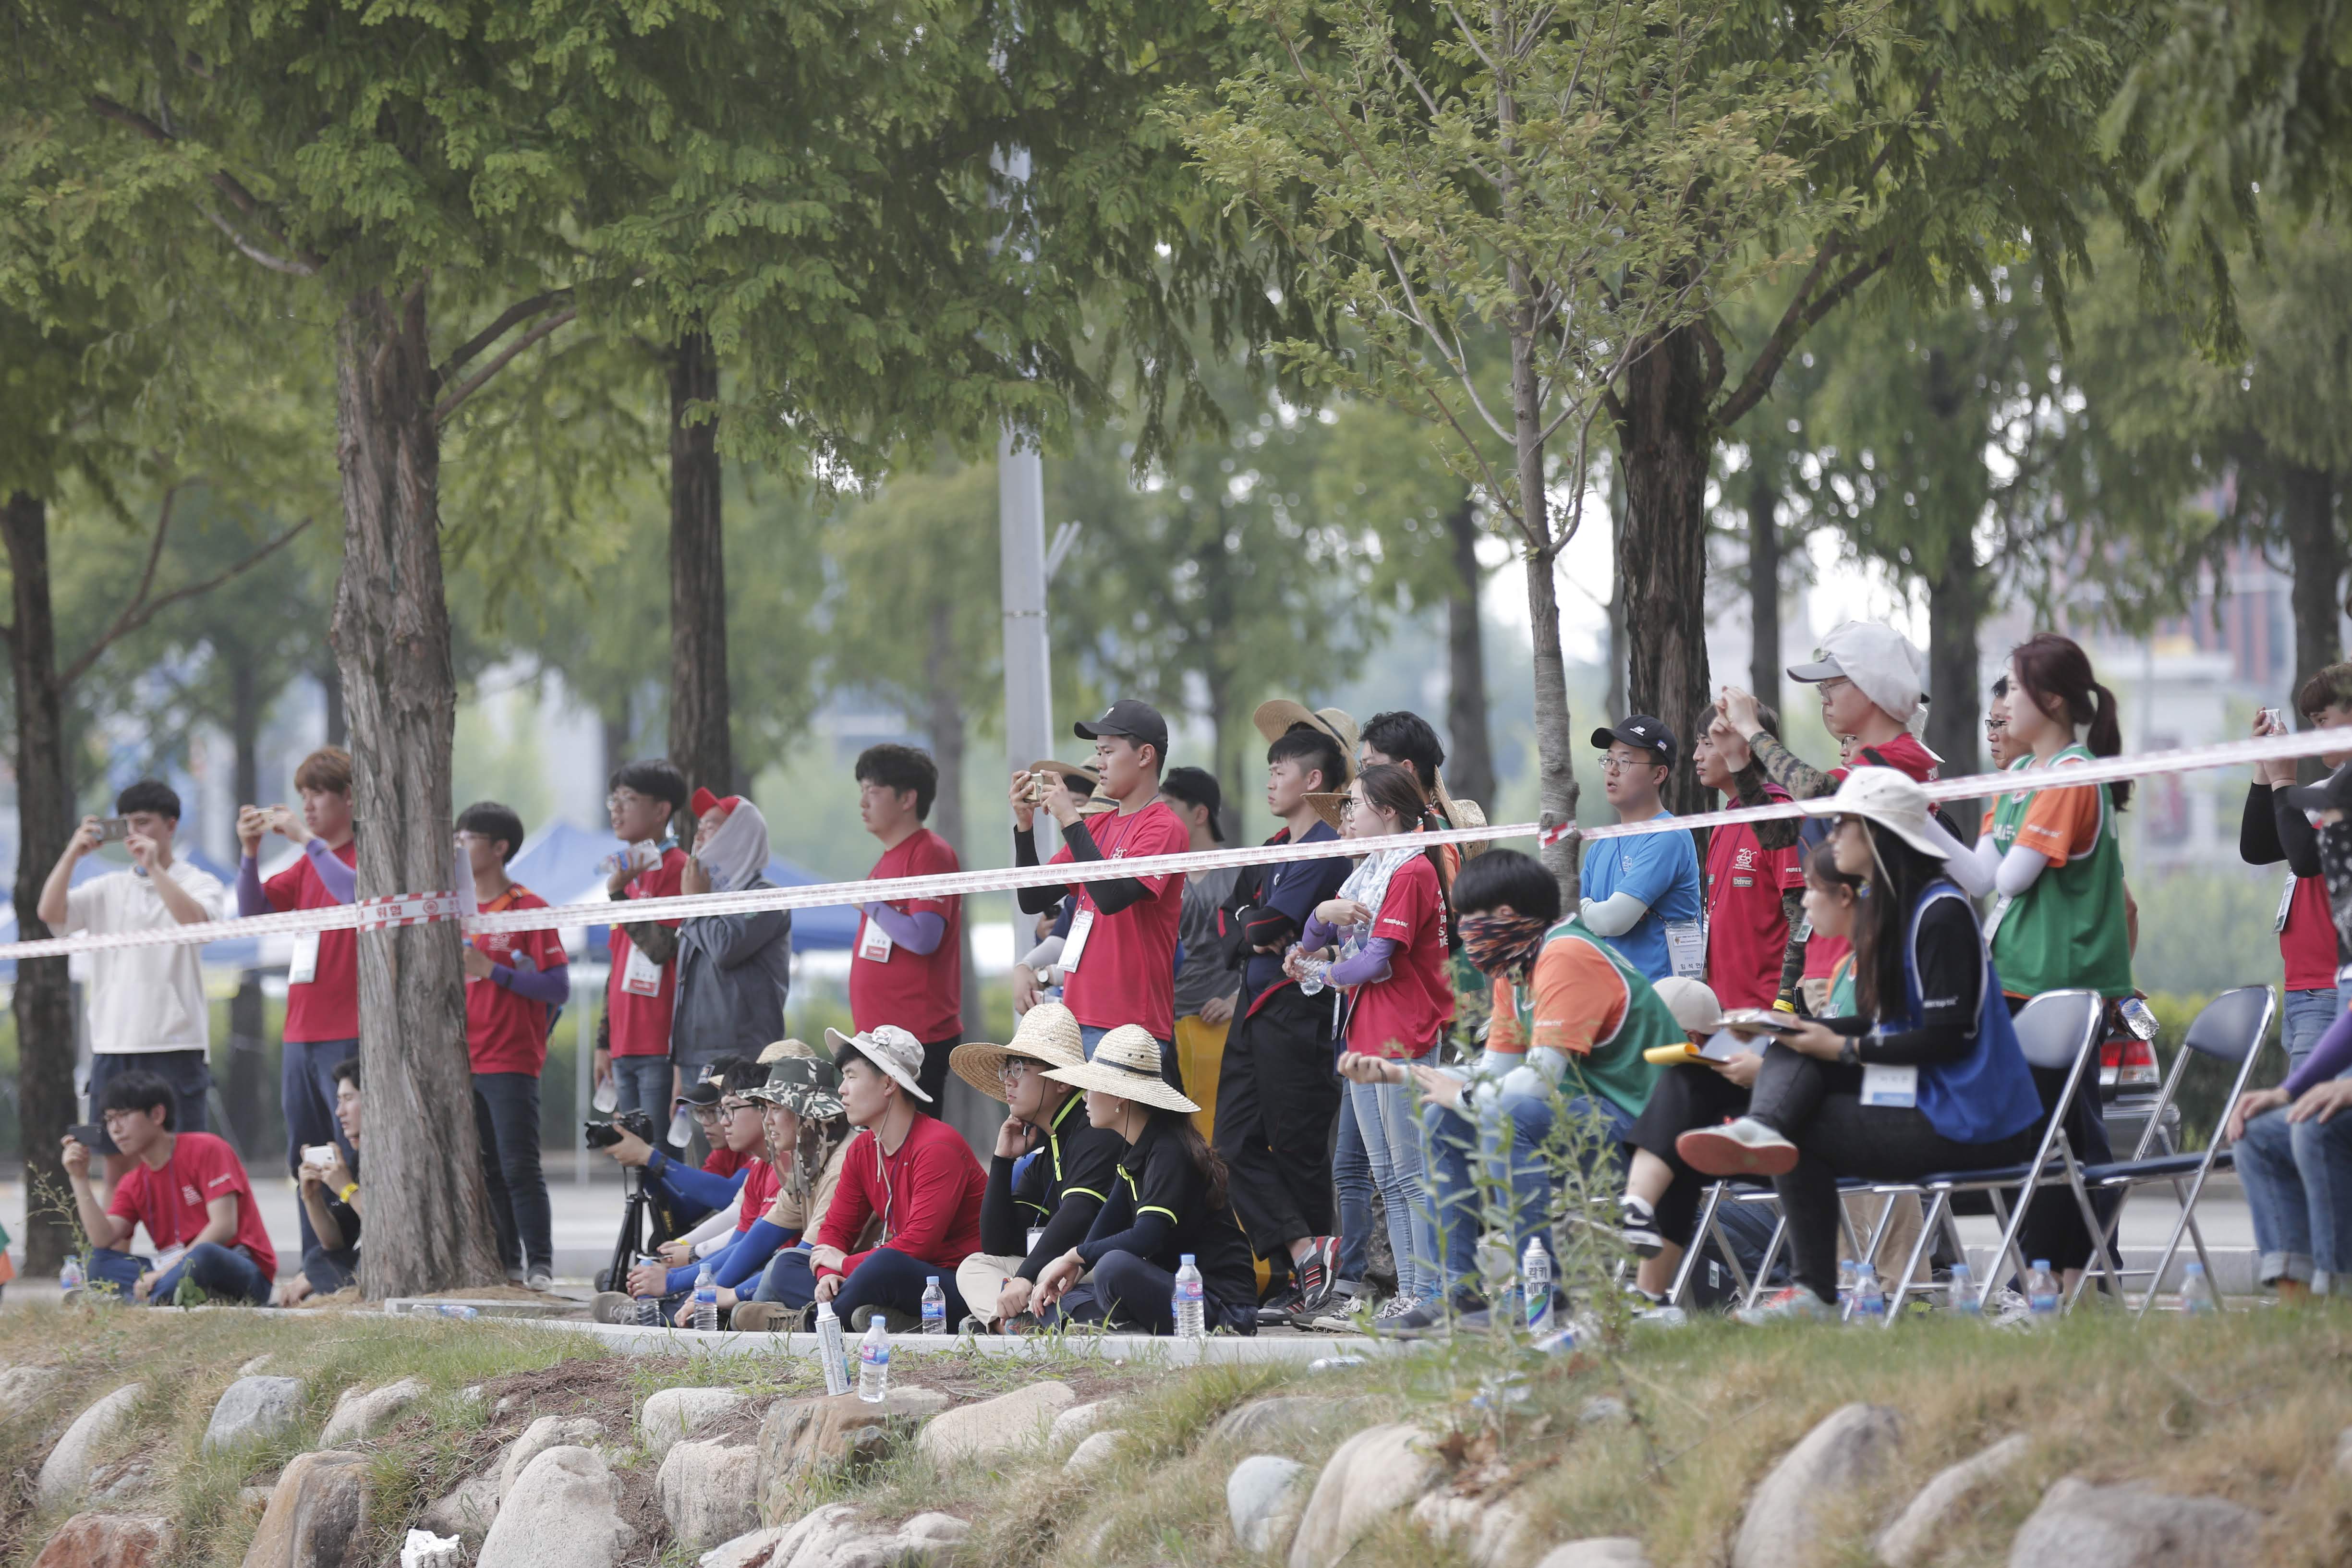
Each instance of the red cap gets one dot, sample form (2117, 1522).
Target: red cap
(704, 800)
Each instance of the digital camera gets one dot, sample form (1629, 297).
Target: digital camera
(604, 1134)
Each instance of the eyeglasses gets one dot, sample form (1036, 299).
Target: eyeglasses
(1832, 684)
(707, 1114)
(1012, 1072)
(1610, 764)
(1995, 726)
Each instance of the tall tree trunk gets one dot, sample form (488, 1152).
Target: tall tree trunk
(43, 994)
(330, 682)
(699, 739)
(1661, 571)
(1956, 607)
(1555, 745)
(429, 1219)
(1470, 760)
(245, 1094)
(1764, 585)
(2317, 551)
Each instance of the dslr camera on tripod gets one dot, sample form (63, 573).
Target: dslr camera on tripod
(604, 1134)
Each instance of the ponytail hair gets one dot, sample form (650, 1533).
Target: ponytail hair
(2054, 670)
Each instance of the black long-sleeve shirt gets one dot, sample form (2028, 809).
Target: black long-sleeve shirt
(1110, 895)
(1062, 1189)
(1159, 1210)
(1950, 958)
(2271, 831)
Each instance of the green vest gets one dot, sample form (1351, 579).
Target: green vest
(1842, 1004)
(2068, 930)
(1614, 1069)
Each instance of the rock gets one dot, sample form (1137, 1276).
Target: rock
(1094, 1452)
(1603, 1410)
(256, 1366)
(674, 1413)
(1079, 1420)
(2344, 1452)
(1377, 1471)
(802, 1440)
(469, 1511)
(66, 1469)
(363, 1413)
(23, 1387)
(109, 1541)
(2135, 1526)
(254, 1409)
(122, 1479)
(1493, 1533)
(562, 1512)
(255, 1498)
(993, 1427)
(473, 1393)
(1263, 1497)
(1831, 1462)
(506, 1405)
(751, 1551)
(1913, 1537)
(1264, 1422)
(1597, 1551)
(835, 1537)
(315, 1514)
(709, 1492)
(547, 1432)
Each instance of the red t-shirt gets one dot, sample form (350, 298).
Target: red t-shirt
(639, 1025)
(327, 1006)
(724, 1161)
(922, 992)
(928, 1195)
(1127, 971)
(1399, 1018)
(2307, 941)
(505, 1032)
(171, 1202)
(761, 1184)
(1908, 754)
(1746, 929)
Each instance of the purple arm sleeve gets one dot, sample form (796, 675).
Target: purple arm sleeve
(1371, 964)
(548, 985)
(340, 881)
(2327, 1059)
(917, 933)
(250, 898)
(1317, 935)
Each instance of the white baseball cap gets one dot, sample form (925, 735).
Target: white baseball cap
(1878, 659)
(1888, 797)
(1692, 1001)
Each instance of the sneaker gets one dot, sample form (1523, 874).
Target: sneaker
(1437, 1315)
(538, 1280)
(1278, 1312)
(1316, 1273)
(1792, 1304)
(767, 1318)
(1742, 1147)
(613, 1306)
(894, 1320)
(1637, 1224)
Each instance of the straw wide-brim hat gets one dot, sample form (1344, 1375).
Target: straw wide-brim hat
(1460, 813)
(1096, 804)
(1890, 799)
(1127, 1063)
(1062, 769)
(1048, 1034)
(1278, 717)
(1329, 807)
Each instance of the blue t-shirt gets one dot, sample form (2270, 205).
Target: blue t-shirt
(1662, 870)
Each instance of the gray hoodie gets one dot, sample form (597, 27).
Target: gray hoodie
(733, 971)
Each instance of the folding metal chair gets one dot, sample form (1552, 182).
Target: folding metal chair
(1708, 1229)
(2230, 1029)
(2058, 1030)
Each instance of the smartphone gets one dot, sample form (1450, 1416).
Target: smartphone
(89, 1134)
(113, 829)
(2273, 722)
(315, 1155)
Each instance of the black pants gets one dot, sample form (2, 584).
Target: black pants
(933, 1079)
(1129, 1291)
(505, 1117)
(1277, 1100)
(2052, 1228)
(1817, 1106)
(1685, 1100)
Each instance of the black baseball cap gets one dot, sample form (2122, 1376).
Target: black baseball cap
(1643, 732)
(2332, 793)
(1131, 720)
(704, 1090)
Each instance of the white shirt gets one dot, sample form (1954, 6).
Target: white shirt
(145, 998)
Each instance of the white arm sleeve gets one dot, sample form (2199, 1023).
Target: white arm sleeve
(1970, 867)
(1044, 955)
(1615, 916)
(2019, 868)
(712, 1234)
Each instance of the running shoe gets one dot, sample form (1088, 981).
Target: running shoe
(1742, 1147)
(893, 1321)
(613, 1306)
(1637, 1224)
(538, 1280)
(1316, 1273)
(767, 1317)
(1435, 1316)
(1792, 1304)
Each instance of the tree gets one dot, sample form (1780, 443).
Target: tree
(1582, 181)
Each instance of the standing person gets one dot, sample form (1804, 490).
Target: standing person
(147, 1008)
(2272, 830)
(1118, 964)
(1409, 740)
(642, 799)
(733, 971)
(322, 977)
(512, 978)
(1641, 893)
(190, 1191)
(1996, 725)
(1754, 895)
(1277, 1097)
(1038, 976)
(1206, 980)
(907, 966)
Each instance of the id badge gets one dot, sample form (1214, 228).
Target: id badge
(874, 942)
(1687, 947)
(302, 967)
(1890, 1086)
(1074, 946)
(641, 976)
(2286, 900)
(1992, 921)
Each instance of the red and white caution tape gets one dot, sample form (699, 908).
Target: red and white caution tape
(412, 908)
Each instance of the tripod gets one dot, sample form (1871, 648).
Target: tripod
(626, 1247)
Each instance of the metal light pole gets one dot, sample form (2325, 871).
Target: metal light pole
(1021, 557)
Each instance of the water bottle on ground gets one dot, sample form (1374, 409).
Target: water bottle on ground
(1534, 1281)
(1961, 1293)
(935, 1306)
(2197, 1296)
(1869, 1298)
(69, 1273)
(874, 1363)
(1499, 1277)
(2041, 1293)
(1846, 1281)
(1188, 1301)
(830, 1352)
(706, 1304)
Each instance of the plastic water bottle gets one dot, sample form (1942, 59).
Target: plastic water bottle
(706, 1304)
(1191, 1318)
(874, 1363)
(69, 1273)
(1869, 1299)
(831, 1354)
(2041, 1293)
(453, 1310)
(1311, 982)
(2197, 1292)
(1534, 1281)
(935, 1306)
(1961, 1293)
(1499, 1277)
(1847, 1279)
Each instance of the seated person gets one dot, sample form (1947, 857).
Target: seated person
(1561, 1079)
(331, 1196)
(913, 1171)
(697, 1208)
(188, 1189)
(740, 1124)
(1930, 1038)
(1168, 1202)
(1051, 1170)
(808, 1144)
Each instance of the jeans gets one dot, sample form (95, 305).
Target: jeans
(788, 1279)
(2306, 1018)
(1511, 1155)
(1129, 1291)
(2299, 1182)
(642, 1083)
(224, 1273)
(1351, 1175)
(328, 1272)
(306, 1088)
(506, 1115)
(1392, 1142)
(1089, 1036)
(891, 1278)
(188, 1073)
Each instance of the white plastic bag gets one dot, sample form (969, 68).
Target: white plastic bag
(425, 1550)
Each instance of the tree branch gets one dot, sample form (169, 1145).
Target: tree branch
(1792, 327)
(228, 185)
(253, 252)
(521, 311)
(141, 610)
(448, 405)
